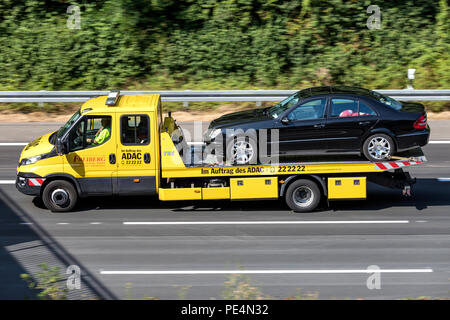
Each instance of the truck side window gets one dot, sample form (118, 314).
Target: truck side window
(135, 130)
(92, 131)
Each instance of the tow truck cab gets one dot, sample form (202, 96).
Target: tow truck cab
(120, 145)
(125, 163)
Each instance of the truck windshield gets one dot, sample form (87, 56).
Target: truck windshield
(68, 124)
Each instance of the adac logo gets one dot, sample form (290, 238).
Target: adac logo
(131, 156)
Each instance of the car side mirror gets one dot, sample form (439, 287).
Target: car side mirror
(60, 147)
(285, 120)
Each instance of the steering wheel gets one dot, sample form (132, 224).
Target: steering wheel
(78, 141)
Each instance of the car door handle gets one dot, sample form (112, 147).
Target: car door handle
(319, 126)
(364, 123)
(147, 157)
(112, 158)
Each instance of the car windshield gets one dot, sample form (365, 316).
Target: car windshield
(390, 102)
(284, 105)
(68, 124)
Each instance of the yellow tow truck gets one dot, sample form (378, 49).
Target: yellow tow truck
(121, 145)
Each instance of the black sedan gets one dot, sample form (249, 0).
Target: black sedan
(323, 120)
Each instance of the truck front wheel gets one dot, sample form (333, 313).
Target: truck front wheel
(303, 195)
(59, 196)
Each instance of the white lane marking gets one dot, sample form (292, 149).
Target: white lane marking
(443, 179)
(63, 223)
(439, 142)
(7, 181)
(26, 223)
(206, 272)
(158, 223)
(95, 223)
(9, 144)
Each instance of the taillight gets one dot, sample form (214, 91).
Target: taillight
(421, 123)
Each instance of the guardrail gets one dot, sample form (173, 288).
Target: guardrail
(201, 95)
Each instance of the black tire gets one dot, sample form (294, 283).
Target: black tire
(231, 154)
(382, 154)
(303, 195)
(59, 196)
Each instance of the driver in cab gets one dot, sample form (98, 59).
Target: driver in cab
(102, 134)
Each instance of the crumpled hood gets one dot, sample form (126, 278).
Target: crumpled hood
(37, 147)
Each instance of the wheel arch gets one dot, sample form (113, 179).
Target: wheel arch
(379, 130)
(315, 178)
(61, 176)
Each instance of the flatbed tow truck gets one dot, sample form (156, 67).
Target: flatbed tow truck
(141, 155)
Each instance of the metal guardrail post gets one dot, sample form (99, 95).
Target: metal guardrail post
(186, 103)
(41, 104)
(259, 103)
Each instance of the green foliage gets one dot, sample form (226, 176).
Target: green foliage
(49, 281)
(239, 287)
(222, 44)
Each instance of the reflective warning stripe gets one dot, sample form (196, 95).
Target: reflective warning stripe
(394, 165)
(35, 182)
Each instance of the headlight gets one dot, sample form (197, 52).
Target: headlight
(31, 160)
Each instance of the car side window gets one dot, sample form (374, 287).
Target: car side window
(365, 110)
(135, 130)
(344, 108)
(313, 109)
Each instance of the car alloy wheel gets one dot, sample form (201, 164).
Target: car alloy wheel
(379, 148)
(242, 152)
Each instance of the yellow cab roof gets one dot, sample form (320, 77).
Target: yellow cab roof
(125, 103)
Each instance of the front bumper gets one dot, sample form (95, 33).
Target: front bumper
(29, 183)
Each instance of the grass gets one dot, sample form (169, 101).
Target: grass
(50, 284)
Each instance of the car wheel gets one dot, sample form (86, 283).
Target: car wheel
(378, 147)
(242, 150)
(303, 195)
(59, 196)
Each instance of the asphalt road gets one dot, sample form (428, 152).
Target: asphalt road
(408, 239)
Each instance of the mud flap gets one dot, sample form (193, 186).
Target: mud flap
(394, 180)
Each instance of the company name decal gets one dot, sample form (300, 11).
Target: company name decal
(131, 156)
(89, 160)
(258, 169)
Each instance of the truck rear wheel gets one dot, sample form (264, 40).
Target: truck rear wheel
(303, 195)
(59, 196)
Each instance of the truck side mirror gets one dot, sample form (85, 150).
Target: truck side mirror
(285, 120)
(60, 147)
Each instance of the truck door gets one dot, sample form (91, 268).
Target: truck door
(90, 159)
(136, 165)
